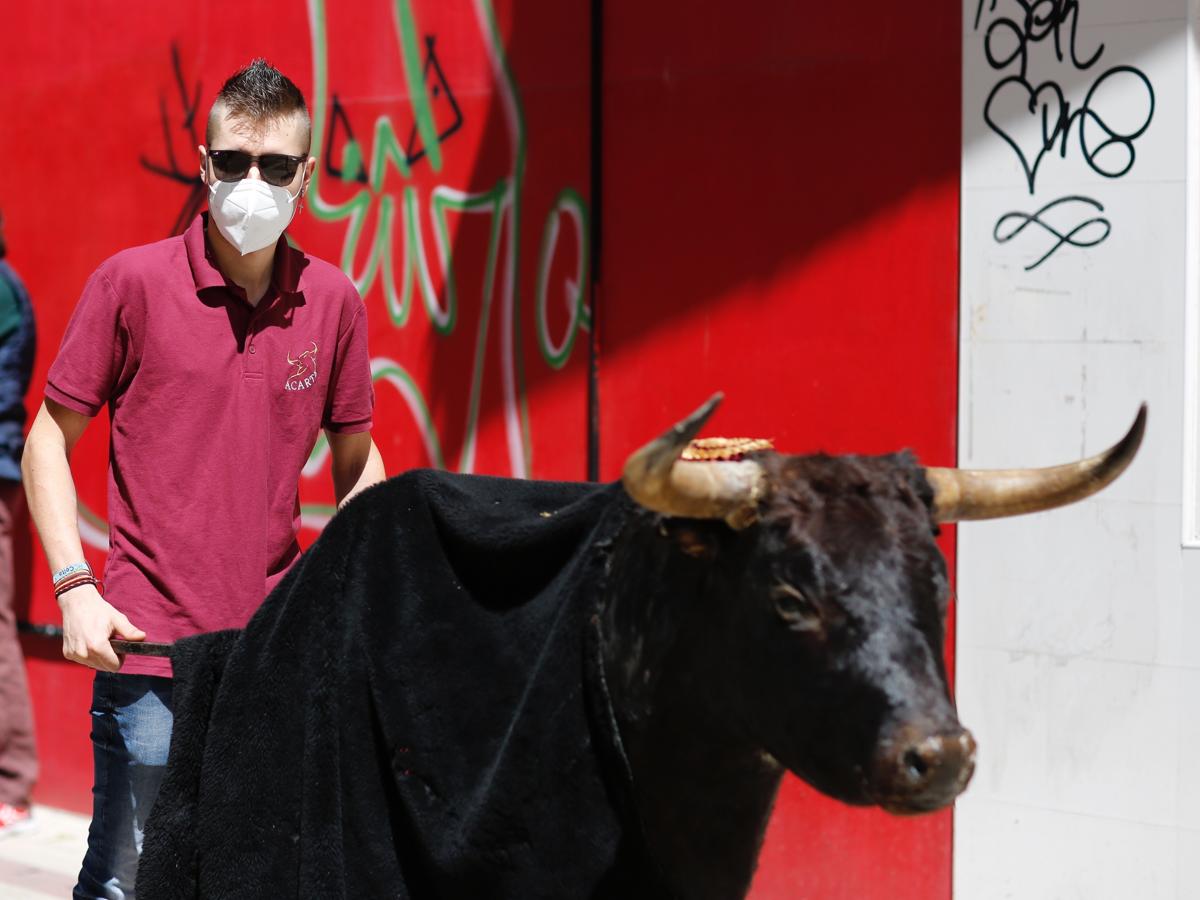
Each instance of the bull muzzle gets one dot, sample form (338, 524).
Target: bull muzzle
(917, 771)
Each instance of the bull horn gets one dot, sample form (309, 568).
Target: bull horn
(965, 495)
(656, 478)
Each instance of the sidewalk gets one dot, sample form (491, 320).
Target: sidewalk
(44, 861)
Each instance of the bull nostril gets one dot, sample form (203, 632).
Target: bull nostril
(916, 765)
(920, 761)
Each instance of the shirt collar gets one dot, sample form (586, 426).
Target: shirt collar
(285, 272)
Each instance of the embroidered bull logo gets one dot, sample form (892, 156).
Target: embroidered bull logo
(301, 365)
(304, 373)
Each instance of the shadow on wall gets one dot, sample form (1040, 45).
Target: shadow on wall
(738, 146)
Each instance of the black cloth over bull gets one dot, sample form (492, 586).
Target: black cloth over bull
(417, 710)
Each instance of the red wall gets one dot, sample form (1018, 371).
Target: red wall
(778, 220)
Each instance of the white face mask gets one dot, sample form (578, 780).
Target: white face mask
(251, 214)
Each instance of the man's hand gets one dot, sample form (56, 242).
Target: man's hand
(88, 624)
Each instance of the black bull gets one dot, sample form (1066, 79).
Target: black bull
(754, 615)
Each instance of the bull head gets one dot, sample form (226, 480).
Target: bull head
(832, 605)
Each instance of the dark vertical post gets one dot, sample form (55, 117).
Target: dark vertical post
(595, 197)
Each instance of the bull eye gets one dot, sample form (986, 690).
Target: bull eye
(794, 609)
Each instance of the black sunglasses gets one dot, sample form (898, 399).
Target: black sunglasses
(275, 168)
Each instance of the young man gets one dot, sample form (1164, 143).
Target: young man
(220, 354)
(18, 756)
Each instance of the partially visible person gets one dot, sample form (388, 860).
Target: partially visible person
(18, 754)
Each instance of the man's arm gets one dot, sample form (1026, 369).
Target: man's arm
(88, 620)
(356, 464)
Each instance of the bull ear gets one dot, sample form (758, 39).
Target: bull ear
(964, 494)
(656, 478)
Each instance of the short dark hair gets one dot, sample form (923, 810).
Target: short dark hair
(258, 93)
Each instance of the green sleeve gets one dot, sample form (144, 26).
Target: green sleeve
(10, 310)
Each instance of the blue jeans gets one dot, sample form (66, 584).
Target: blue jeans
(131, 733)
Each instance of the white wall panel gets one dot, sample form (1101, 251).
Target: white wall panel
(1079, 629)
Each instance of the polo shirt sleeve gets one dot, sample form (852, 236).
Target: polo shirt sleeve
(352, 398)
(93, 357)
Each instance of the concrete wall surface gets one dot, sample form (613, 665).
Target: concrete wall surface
(1078, 667)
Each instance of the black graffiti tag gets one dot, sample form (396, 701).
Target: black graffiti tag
(186, 175)
(1088, 233)
(1034, 119)
(1109, 150)
(1039, 20)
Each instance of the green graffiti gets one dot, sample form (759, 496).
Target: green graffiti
(571, 204)
(367, 259)
(406, 32)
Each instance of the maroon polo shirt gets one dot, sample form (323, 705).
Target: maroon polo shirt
(215, 406)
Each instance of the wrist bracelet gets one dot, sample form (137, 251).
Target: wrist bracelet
(71, 570)
(69, 584)
(73, 579)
